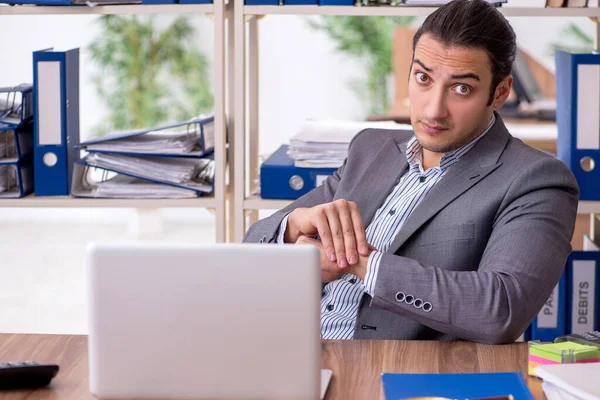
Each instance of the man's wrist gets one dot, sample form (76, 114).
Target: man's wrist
(291, 232)
(360, 268)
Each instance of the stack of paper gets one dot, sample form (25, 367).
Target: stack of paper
(324, 144)
(8, 179)
(190, 172)
(130, 187)
(7, 144)
(570, 381)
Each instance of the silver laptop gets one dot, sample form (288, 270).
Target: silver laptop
(235, 321)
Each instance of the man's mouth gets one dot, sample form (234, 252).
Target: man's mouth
(433, 128)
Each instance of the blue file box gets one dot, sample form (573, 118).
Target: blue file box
(280, 179)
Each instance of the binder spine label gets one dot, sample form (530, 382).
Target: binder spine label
(548, 315)
(583, 290)
(49, 103)
(588, 104)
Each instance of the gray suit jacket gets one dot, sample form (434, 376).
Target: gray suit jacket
(485, 247)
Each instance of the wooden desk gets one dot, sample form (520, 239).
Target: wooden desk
(356, 365)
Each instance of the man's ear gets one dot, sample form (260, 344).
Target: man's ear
(502, 92)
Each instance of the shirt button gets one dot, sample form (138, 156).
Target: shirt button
(330, 307)
(422, 179)
(353, 281)
(392, 211)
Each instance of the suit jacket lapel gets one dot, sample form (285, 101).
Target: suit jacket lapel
(379, 178)
(474, 166)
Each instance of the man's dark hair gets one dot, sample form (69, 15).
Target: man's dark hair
(474, 24)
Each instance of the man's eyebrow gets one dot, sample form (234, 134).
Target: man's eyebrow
(426, 68)
(465, 76)
(455, 76)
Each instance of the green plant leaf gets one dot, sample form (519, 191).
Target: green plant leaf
(369, 40)
(148, 74)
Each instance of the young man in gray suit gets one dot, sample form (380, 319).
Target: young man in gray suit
(455, 231)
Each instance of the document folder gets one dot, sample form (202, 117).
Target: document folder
(185, 173)
(97, 182)
(16, 180)
(16, 105)
(16, 144)
(583, 293)
(281, 179)
(578, 120)
(56, 119)
(195, 138)
(455, 386)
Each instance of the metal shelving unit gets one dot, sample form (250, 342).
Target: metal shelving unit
(217, 201)
(245, 139)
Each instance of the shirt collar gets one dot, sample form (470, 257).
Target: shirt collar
(414, 151)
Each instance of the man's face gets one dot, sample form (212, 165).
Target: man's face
(449, 89)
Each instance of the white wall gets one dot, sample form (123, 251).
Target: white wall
(301, 75)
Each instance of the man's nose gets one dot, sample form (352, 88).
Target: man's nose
(436, 107)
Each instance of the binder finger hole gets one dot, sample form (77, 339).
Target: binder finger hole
(50, 159)
(587, 164)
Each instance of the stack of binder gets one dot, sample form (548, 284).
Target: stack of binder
(16, 141)
(170, 161)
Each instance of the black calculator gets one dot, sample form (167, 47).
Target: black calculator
(26, 374)
(590, 338)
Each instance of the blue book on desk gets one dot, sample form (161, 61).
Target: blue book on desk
(281, 179)
(455, 386)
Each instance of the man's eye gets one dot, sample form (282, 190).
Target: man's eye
(422, 78)
(462, 89)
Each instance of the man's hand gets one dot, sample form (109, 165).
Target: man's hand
(339, 226)
(330, 271)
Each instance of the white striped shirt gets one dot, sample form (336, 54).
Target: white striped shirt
(341, 298)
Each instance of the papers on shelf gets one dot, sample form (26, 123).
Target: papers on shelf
(192, 173)
(8, 178)
(324, 144)
(193, 138)
(153, 142)
(122, 186)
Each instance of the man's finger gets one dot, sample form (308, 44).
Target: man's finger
(337, 235)
(321, 223)
(359, 229)
(347, 226)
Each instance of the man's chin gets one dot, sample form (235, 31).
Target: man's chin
(433, 145)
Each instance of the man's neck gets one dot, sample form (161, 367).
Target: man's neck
(431, 159)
